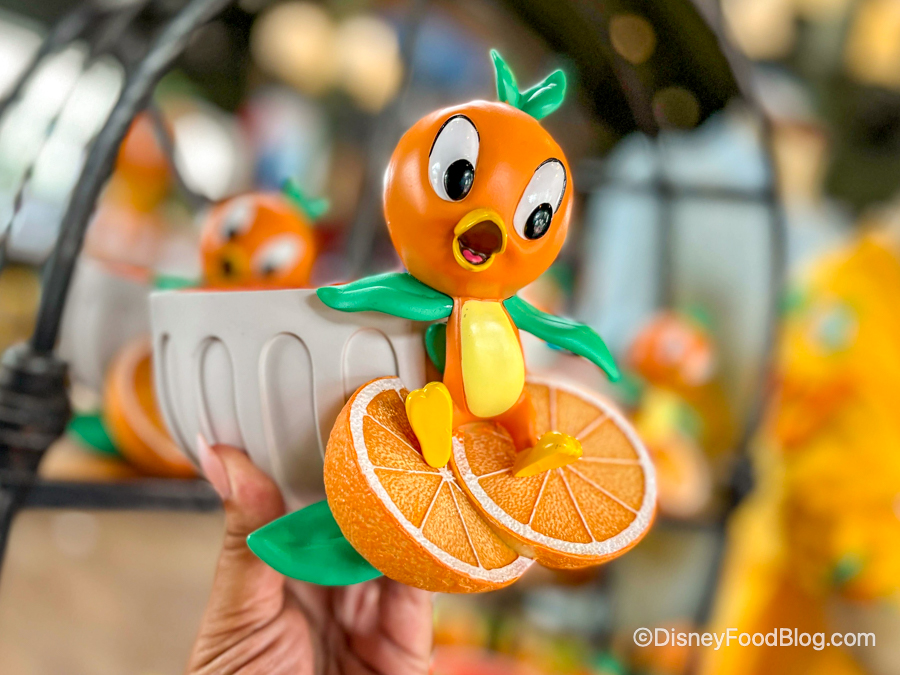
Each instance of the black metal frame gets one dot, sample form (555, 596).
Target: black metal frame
(148, 494)
(34, 405)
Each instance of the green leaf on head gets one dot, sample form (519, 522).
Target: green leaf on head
(539, 101)
(311, 208)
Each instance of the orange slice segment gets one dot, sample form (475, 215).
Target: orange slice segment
(411, 521)
(133, 418)
(584, 513)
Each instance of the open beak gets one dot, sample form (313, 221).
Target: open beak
(478, 238)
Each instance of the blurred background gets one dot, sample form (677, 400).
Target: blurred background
(736, 241)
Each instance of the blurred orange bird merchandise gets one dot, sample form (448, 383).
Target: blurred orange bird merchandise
(129, 226)
(268, 240)
(759, 592)
(683, 413)
(469, 661)
(839, 351)
(133, 419)
(261, 240)
(477, 200)
(683, 475)
(837, 422)
(676, 352)
(142, 176)
(547, 650)
(824, 525)
(460, 622)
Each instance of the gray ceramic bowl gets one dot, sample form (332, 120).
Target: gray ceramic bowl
(268, 371)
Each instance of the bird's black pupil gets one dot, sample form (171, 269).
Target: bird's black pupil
(458, 179)
(232, 230)
(539, 221)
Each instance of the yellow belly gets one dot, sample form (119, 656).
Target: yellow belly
(493, 369)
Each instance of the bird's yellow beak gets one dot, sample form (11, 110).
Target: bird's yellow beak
(478, 238)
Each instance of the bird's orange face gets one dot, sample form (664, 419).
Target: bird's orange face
(478, 199)
(672, 351)
(257, 241)
(142, 175)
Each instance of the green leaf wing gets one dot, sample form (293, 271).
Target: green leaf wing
(436, 345)
(89, 429)
(565, 333)
(308, 545)
(396, 293)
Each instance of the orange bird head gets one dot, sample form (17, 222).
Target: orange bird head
(142, 174)
(260, 240)
(478, 197)
(674, 351)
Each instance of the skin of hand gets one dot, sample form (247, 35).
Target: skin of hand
(258, 621)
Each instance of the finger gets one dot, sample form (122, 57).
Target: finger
(407, 617)
(244, 586)
(399, 642)
(357, 607)
(313, 600)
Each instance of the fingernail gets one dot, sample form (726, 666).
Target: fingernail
(213, 468)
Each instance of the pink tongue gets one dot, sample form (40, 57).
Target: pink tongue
(472, 257)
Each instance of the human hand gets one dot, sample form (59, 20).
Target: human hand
(257, 621)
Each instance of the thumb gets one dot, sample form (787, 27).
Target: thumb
(244, 587)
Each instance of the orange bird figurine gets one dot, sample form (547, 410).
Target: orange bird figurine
(261, 240)
(460, 485)
(478, 201)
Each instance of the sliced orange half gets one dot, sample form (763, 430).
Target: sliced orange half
(584, 513)
(134, 420)
(409, 520)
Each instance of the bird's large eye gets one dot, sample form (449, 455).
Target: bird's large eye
(278, 255)
(238, 219)
(453, 157)
(834, 327)
(541, 199)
